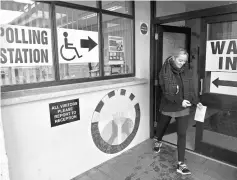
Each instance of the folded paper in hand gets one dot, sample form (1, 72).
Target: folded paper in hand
(200, 114)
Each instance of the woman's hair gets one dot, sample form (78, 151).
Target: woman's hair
(180, 51)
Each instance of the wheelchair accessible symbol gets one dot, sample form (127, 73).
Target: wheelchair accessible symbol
(84, 44)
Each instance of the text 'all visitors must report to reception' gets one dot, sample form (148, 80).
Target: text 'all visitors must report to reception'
(64, 112)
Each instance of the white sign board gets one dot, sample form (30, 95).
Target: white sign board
(221, 55)
(77, 46)
(224, 83)
(25, 46)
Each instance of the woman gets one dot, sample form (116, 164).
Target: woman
(178, 96)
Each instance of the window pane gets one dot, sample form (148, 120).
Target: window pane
(26, 48)
(118, 45)
(165, 8)
(172, 41)
(222, 31)
(118, 6)
(77, 43)
(84, 3)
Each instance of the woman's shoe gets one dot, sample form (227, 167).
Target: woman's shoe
(183, 169)
(157, 146)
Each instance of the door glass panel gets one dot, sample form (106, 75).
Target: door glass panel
(172, 41)
(220, 126)
(221, 31)
(165, 8)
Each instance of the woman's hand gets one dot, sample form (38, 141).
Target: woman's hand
(199, 105)
(186, 103)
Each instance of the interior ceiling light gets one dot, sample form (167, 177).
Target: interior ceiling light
(89, 16)
(24, 1)
(109, 25)
(9, 15)
(114, 8)
(94, 14)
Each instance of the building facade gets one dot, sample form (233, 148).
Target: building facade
(79, 80)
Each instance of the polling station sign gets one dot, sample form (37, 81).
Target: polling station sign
(221, 55)
(77, 46)
(64, 112)
(25, 46)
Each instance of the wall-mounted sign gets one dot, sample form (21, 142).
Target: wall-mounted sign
(25, 46)
(116, 49)
(144, 28)
(77, 46)
(221, 55)
(64, 112)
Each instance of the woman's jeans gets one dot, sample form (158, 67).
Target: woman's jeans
(182, 125)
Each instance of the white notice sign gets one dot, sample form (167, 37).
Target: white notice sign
(25, 46)
(221, 55)
(77, 46)
(224, 83)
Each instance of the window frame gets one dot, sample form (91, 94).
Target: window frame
(100, 12)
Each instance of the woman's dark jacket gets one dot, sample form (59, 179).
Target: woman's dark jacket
(177, 85)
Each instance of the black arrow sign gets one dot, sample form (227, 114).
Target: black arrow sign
(218, 83)
(88, 43)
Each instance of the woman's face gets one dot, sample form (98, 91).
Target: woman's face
(180, 60)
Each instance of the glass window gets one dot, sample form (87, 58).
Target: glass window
(118, 45)
(77, 43)
(118, 6)
(172, 41)
(222, 31)
(33, 38)
(26, 48)
(165, 8)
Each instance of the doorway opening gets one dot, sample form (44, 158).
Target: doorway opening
(217, 136)
(172, 40)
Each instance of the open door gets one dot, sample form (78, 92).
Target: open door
(167, 38)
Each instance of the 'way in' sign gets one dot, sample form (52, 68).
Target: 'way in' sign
(229, 51)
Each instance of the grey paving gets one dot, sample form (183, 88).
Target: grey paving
(141, 163)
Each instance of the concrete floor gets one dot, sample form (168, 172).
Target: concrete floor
(140, 163)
